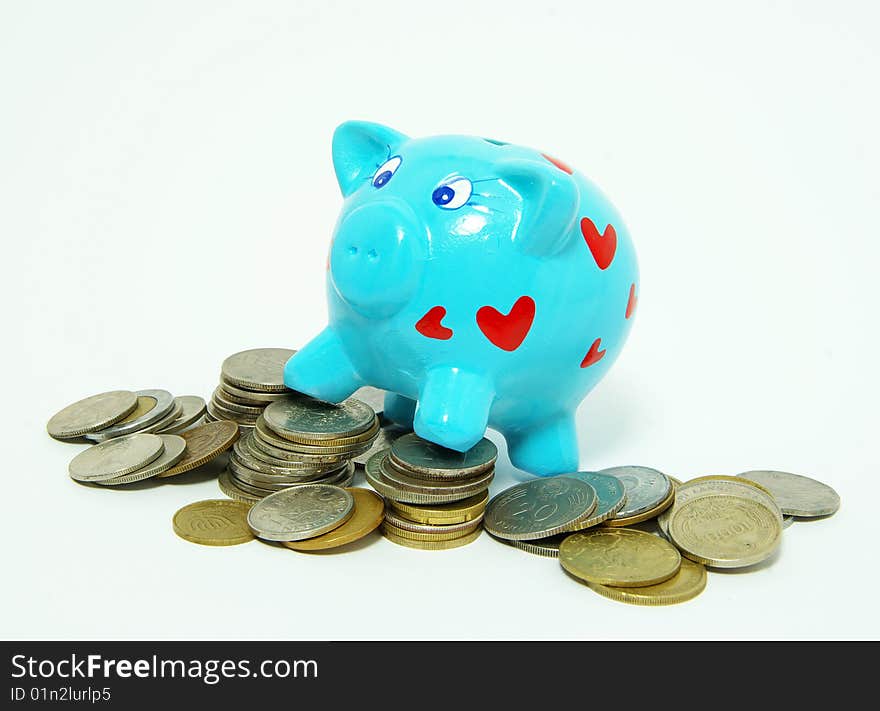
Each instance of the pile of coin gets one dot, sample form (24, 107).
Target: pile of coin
(249, 382)
(118, 413)
(296, 441)
(709, 522)
(436, 496)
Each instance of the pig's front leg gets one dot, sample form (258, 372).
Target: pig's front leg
(453, 408)
(545, 448)
(322, 369)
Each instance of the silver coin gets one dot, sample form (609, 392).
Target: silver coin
(539, 508)
(217, 397)
(92, 413)
(546, 547)
(164, 404)
(192, 409)
(611, 495)
(645, 488)
(390, 490)
(430, 459)
(116, 457)
(175, 447)
(250, 397)
(316, 420)
(797, 495)
(275, 481)
(301, 512)
(231, 489)
(246, 459)
(371, 396)
(219, 412)
(261, 448)
(257, 369)
(462, 488)
(170, 418)
(389, 433)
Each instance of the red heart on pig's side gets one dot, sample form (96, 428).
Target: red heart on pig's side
(594, 355)
(430, 324)
(602, 246)
(507, 331)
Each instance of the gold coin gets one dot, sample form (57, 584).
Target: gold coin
(645, 515)
(224, 481)
(724, 477)
(725, 531)
(393, 519)
(217, 522)
(686, 584)
(457, 512)
(622, 557)
(203, 443)
(432, 545)
(369, 510)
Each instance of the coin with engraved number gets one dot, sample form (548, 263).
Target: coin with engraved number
(725, 531)
(153, 405)
(175, 446)
(192, 409)
(203, 443)
(797, 495)
(455, 512)
(303, 419)
(92, 413)
(217, 522)
(646, 488)
(686, 584)
(622, 557)
(301, 512)
(433, 461)
(369, 510)
(610, 493)
(257, 368)
(116, 457)
(539, 508)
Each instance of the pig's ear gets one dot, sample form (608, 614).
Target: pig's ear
(359, 147)
(549, 204)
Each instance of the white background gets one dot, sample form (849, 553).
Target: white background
(167, 198)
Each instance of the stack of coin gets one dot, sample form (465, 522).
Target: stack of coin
(298, 440)
(249, 382)
(436, 496)
(122, 412)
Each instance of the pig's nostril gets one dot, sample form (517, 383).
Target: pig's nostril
(352, 251)
(372, 255)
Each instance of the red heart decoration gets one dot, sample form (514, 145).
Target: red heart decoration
(429, 325)
(594, 355)
(507, 331)
(631, 304)
(602, 246)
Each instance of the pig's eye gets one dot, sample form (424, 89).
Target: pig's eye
(452, 196)
(385, 171)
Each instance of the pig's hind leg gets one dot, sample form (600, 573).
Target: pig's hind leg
(545, 448)
(322, 369)
(399, 409)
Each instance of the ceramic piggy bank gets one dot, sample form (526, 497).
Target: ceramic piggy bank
(480, 283)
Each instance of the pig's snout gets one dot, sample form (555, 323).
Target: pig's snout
(375, 261)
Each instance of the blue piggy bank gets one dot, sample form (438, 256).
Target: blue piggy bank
(480, 283)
